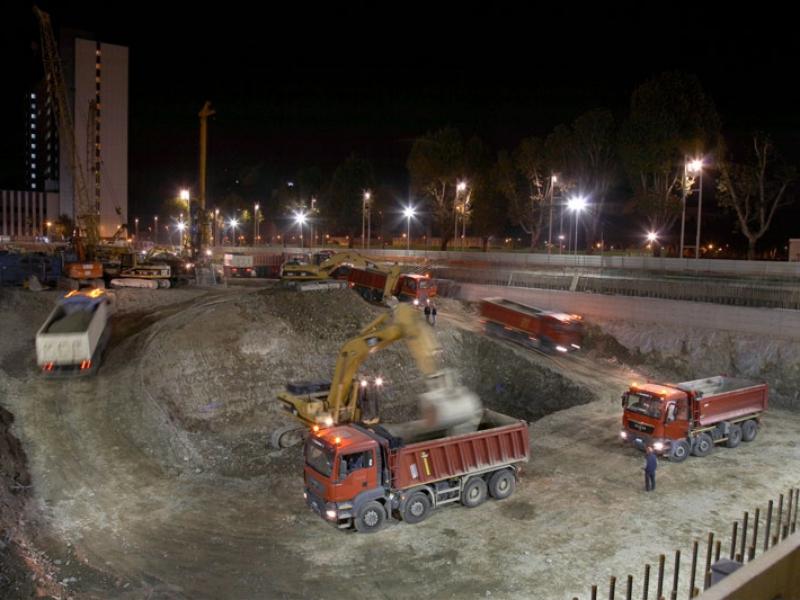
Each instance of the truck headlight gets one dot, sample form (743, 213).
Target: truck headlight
(305, 495)
(623, 435)
(331, 514)
(658, 446)
(561, 349)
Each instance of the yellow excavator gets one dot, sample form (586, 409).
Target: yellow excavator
(327, 269)
(318, 406)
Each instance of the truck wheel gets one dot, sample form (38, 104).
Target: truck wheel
(734, 436)
(474, 493)
(680, 451)
(417, 508)
(502, 484)
(370, 517)
(703, 445)
(749, 430)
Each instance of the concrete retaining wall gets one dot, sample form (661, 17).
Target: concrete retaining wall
(773, 323)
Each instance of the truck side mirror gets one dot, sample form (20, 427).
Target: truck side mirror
(624, 399)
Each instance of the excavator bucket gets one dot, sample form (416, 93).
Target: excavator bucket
(448, 405)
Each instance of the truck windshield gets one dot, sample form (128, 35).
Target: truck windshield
(319, 457)
(644, 404)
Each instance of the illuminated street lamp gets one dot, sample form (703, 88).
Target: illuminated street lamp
(461, 187)
(576, 204)
(181, 227)
(300, 219)
(696, 166)
(255, 224)
(232, 224)
(408, 212)
(365, 218)
(155, 229)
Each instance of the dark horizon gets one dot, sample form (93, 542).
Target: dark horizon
(293, 92)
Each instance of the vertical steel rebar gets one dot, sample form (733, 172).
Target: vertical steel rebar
(717, 549)
(778, 521)
(676, 575)
(646, 584)
(594, 592)
(789, 513)
(769, 524)
(754, 545)
(733, 538)
(796, 501)
(629, 589)
(694, 569)
(612, 588)
(744, 535)
(707, 572)
(660, 587)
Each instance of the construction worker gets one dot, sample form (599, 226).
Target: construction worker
(650, 466)
(427, 312)
(433, 314)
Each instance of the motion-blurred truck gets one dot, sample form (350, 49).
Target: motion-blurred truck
(252, 265)
(360, 476)
(530, 326)
(72, 338)
(17, 267)
(376, 285)
(693, 416)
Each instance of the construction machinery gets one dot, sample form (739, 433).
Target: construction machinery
(72, 338)
(445, 405)
(386, 287)
(337, 266)
(86, 270)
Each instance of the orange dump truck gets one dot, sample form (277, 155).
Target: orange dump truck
(693, 416)
(373, 285)
(358, 476)
(531, 326)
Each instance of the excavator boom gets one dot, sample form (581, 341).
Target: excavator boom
(339, 403)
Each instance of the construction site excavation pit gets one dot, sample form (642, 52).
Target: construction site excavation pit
(153, 478)
(210, 375)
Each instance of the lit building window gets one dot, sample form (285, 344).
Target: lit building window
(33, 166)
(33, 156)
(33, 146)
(33, 136)
(33, 95)
(33, 116)
(33, 186)
(33, 125)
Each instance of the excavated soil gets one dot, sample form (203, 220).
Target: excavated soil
(153, 479)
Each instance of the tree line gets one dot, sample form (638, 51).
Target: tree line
(633, 165)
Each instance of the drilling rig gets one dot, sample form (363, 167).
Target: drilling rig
(87, 270)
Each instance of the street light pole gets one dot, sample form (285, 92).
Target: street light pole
(550, 225)
(699, 215)
(155, 229)
(683, 209)
(135, 228)
(409, 212)
(255, 225)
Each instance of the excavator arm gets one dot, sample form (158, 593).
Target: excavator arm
(339, 403)
(309, 272)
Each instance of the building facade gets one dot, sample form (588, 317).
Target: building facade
(97, 76)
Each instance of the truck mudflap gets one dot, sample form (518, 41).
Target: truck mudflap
(83, 368)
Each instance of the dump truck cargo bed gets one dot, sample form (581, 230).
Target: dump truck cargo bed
(423, 456)
(725, 398)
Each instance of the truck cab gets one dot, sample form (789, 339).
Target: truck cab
(654, 415)
(415, 288)
(342, 472)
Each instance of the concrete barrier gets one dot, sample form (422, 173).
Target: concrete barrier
(774, 574)
(770, 322)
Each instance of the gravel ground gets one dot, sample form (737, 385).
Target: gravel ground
(152, 479)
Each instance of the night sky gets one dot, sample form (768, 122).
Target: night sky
(308, 86)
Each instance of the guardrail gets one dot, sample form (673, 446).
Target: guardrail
(750, 268)
(742, 547)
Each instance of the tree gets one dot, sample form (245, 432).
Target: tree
(670, 118)
(435, 164)
(526, 181)
(343, 200)
(755, 190)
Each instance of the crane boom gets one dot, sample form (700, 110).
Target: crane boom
(87, 212)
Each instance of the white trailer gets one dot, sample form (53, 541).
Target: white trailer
(72, 338)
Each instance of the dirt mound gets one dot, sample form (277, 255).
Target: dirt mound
(24, 573)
